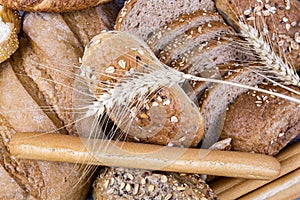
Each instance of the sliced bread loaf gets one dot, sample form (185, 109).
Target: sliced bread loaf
(192, 37)
(144, 17)
(217, 98)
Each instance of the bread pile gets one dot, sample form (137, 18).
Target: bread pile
(193, 37)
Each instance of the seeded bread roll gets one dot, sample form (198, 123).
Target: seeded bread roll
(279, 19)
(143, 17)
(120, 183)
(261, 123)
(51, 5)
(9, 29)
(164, 116)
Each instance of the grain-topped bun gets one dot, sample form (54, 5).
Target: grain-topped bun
(9, 29)
(147, 109)
(143, 17)
(279, 20)
(51, 5)
(120, 183)
(262, 123)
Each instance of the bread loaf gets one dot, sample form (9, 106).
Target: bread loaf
(120, 183)
(163, 114)
(261, 123)
(51, 5)
(278, 20)
(9, 29)
(134, 13)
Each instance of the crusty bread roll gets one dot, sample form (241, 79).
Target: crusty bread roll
(51, 5)
(120, 183)
(262, 123)
(9, 29)
(164, 115)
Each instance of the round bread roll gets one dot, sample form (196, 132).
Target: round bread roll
(9, 29)
(124, 73)
(120, 183)
(51, 5)
(262, 123)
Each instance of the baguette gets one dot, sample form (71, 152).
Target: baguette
(51, 5)
(234, 188)
(39, 146)
(9, 29)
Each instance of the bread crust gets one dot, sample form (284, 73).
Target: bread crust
(282, 20)
(51, 5)
(260, 123)
(11, 43)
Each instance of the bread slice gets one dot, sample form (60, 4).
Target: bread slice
(9, 29)
(192, 37)
(262, 123)
(51, 5)
(120, 183)
(144, 17)
(208, 54)
(217, 98)
(159, 39)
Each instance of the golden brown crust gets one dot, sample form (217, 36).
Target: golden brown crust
(51, 5)
(11, 43)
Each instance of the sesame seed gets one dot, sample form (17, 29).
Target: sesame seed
(281, 134)
(167, 102)
(154, 104)
(122, 64)
(174, 119)
(151, 188)
(285, 19)
(128, 187)
(110, 70)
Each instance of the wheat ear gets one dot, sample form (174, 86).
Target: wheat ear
(272, 63)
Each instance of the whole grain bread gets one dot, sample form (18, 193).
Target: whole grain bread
(165, 115)
(262, 123)
(216, 99)
(9, 29)
(158, 39)
(192, 37)
(50, 5)
(279, 21)
(144, 17)
(31, 179)
(120, 183)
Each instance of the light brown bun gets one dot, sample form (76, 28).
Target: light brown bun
(120, 183)
(51, 5)
(9, 29)
(262, 123)
(282, 20)
(167, 116)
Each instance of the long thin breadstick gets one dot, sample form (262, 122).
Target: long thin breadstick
(287, 187)
(234, 188)
(63, 148)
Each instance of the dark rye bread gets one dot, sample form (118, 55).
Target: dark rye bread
(192, 37)
(22, 179)
(280, 17)
(120, 183)
(217, 98)
(262, 123)
(49, 58)
(207, 55)
(144, 17)
(159, 39)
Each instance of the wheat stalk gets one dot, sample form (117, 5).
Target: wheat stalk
(272, 63)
